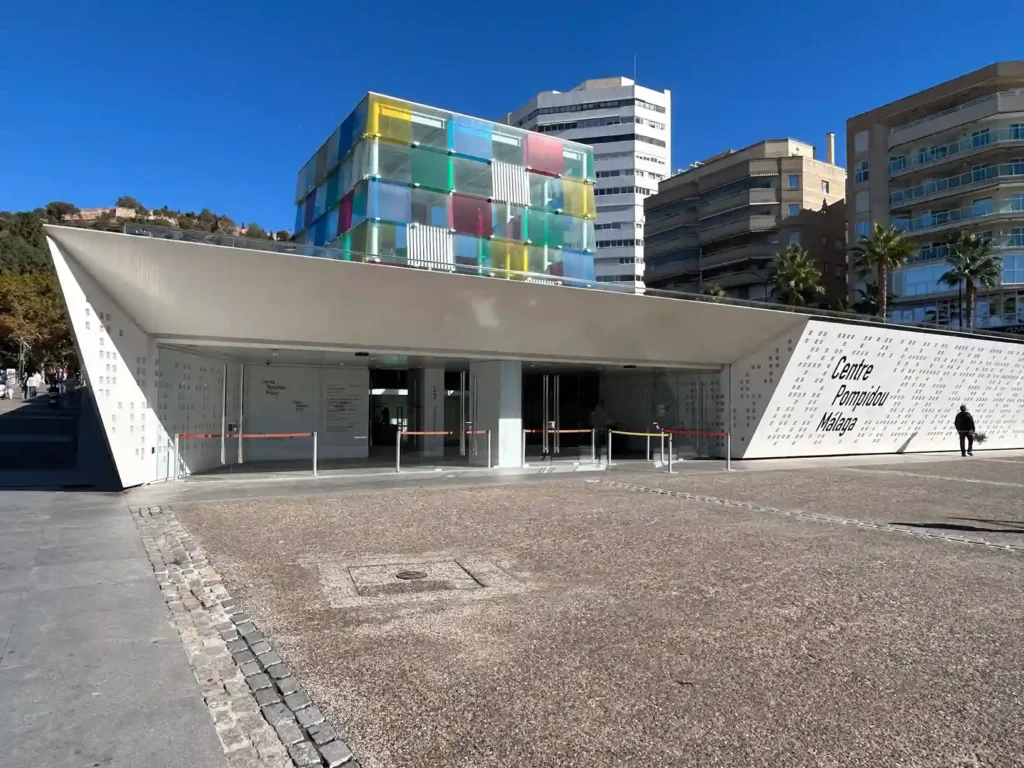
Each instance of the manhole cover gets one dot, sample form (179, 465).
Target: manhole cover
(410, 575)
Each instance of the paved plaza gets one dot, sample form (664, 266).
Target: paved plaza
(848, 613)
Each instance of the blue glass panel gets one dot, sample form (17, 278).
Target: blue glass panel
(331, 229)
(352, 128)
(472, 137)
(320, 231)
(390, 202)
(578, 265)
(300, 212)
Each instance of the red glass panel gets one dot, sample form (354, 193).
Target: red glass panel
(471, 216)
(345, 212)
(544, 154)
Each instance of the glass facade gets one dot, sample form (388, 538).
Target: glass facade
(406, 183)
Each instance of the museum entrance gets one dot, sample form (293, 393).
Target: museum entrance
(557, 405)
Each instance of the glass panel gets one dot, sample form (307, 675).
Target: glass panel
(508, 221)
(352, 128)
(472, 177)
(332, 188)
(356, 241)
(310, 208)
(390, 119)
(577, 234)
(320, 231)
(431, 169)
(575, 162)
(332, 149)
(430, 127)
(472, 137)
(345, 212)
(579, 198)
(507, 144)
(544, 228)
(544, 154)
(472, 251)
(577, 264)
(394, 162)
(300, 211)
(429, 207)
(471, 216)
(392, 242)
(364, 160)
(345, 180)
(310, 172)
(331, 227)
(359, 202)
(537, 260)
(508, 255)
(390, 202)
(321, 200)
(546, 192)
(321, 162)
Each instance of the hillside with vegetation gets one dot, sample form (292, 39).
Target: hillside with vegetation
(32, 314)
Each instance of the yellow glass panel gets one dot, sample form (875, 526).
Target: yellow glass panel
(390, 119)
(579, 198)
(508, 255)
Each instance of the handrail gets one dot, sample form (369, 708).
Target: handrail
(462, 269)
(952, 110)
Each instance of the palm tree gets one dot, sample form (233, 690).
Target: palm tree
(973, 262)
(794, 278)
(880, 252)
(714, 291)
(867, 299)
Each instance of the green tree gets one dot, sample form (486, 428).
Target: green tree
(795, 277)
(714, 291)
(867, 300)
(878, 253)
(254, 230)
(126, 201)
(973, 262)
(283, 236)
(31, 311)
(58, 212)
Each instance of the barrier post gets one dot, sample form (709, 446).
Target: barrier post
(662, 456)
(728, 451)
(314, 454)
(608, 458)
(670, 454)
(648, 447)
(488, 449)
(175, 455)
(593, 446)
(398, 451)
(523, 462)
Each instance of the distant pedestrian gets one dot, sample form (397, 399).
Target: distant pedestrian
(33, 383)
(964, 424)
(62, 380)
(600, 422)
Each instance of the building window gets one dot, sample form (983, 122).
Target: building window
(794, 238)
(794, 181)
(862, 228)
(824, 187)
(860, 141)
(861, 171)
(794, 209)
(897, 162)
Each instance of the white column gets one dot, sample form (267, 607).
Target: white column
(432, 393)
(496, 392)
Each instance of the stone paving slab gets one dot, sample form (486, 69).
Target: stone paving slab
(654, 630)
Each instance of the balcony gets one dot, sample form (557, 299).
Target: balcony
(933, 252)
(745, 254)
(965, 147)
(739, 226)
(741, 170)
(971, 179)
(741, 199)
(962, 114)
(987, 209)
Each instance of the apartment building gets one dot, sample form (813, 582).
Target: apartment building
(721, 221)
(630, 129)
(938, 161)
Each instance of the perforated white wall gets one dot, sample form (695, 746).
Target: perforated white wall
(851, 389)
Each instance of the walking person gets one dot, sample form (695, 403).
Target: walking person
(34, 381)
(964, 424)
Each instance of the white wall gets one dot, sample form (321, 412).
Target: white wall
(334, 402)
(496, 404)
(917, 382)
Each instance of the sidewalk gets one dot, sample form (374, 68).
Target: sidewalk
(91, 670)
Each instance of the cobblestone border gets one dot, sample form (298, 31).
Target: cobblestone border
(801, 514)
(261, 713)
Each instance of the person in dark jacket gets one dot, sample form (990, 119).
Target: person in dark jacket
(964, 424)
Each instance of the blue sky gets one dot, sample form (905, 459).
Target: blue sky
(218, 104)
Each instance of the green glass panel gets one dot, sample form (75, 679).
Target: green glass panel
(332, 188)
(430, 168)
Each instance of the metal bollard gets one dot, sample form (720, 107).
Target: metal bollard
(488, 449)
(608, 458)
(524, 448)
(670, 454)
(648, 447)
(593, 446)
(398, 451)
(662, 455)
(176, 454)
(728, 452)
(314, 453)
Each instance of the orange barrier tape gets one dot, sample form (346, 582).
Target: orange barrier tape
(193, 435)
(559, 431)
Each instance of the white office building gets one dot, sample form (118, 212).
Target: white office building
(630, 128)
